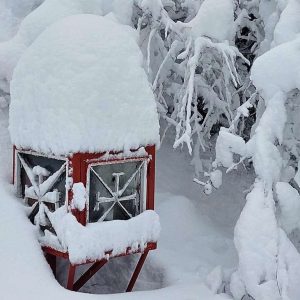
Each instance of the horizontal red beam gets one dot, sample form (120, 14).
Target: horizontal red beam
(65, 255)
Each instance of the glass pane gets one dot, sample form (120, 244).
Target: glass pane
(50, 164)
(115, 192)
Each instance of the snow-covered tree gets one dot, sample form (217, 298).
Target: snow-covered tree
(192, 64)
(217, 67)
(269, 264)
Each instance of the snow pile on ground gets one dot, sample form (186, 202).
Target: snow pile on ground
(91, 242)
(80, 87)
(222, 12)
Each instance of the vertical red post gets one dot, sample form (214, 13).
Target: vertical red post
(151, 178)
(71, 277)
(137, 271)
(76, 174)
(51, 259)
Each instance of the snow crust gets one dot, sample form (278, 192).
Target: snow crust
(222, 14)
(80, 87)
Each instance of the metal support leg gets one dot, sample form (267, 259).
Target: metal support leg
(137, 271)
(88, 274)
(71, 276)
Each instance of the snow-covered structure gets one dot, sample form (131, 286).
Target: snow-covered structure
(84, 124)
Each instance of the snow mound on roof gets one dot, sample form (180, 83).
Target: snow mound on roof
(80, 87)
(46, 14)
(214, 19)
(278, 69)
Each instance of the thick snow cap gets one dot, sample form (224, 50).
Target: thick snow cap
(278, 70)
(80, 87)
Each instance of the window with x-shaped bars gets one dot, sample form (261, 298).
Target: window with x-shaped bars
(41, 181)
(116, 190)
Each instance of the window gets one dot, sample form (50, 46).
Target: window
(116, 190)
(41, 182)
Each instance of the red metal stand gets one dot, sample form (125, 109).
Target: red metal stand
(77, 167)
(88, 274)
(137, 271)
(71, 276)
(51, 259)
(51, 255)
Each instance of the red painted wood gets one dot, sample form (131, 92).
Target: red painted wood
(76, 173)
(71, 276)
(54, 252)
(88, 274)
(65, 255)
(137, 271)
(151, 178)
(51, 259)
(98, 264)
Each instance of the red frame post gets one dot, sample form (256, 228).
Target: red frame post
(71, 277)
(137, 271)
(150, 178)
(76, 174)
(51, 259)
(88, 274)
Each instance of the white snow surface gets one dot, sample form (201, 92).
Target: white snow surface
(227, 145)
(49, 12)
(216, 178)
(222, 14)
(91, 242)
(11, 14)
(256, 236)
(79, 196)
(289, 203)
(278, 69)
(288, 26)
(80, 87)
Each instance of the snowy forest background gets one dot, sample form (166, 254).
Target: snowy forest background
(226, 75)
